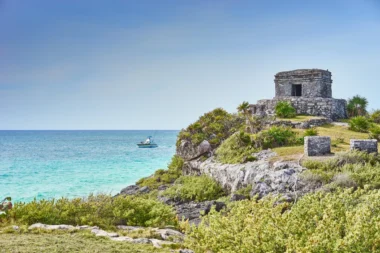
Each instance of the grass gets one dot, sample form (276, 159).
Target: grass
(81, 241)
(299, 118)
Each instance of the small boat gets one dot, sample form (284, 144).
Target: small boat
(148, 143)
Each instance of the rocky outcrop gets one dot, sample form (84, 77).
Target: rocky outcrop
(188, 151)
(134, 190)
(265, 177)
(300, 125)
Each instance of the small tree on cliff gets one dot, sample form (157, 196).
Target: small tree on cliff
(253, 123)
(357, 106)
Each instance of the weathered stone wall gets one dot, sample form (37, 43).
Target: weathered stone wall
(317, 145)
(300, 125)
(314, 82)
(369, 146)
(326, 107)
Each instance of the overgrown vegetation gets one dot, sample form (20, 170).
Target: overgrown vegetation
(311, 132)
(197, 188)
(359, 124)
(238, 148)
(104, 211)
(360, 167)
(343, 221)
(357, 106)
(284, 109)
(161, 177)
(277, 136)
(375, 116)
(214, 126)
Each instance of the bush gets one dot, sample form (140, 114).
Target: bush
(245, 191)
(357, 106)
(214, 126)
(311, 132)
(360, 167)
(374, 132)
(375, 116)
(161, 177)
(284, 109)
(342, 221)
(97, 210)
(276, 136)
(359, 124)
(197, 188)
(238, 148)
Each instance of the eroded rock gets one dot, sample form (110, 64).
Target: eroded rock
(188, 151)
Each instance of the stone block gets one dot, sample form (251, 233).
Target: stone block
(369, 146)
(317, 145)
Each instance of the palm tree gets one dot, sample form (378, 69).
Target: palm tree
(243, 108)
(357, 106)
(252, 123)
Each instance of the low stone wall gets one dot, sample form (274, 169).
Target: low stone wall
(369, 146)
(300, 125)
(317, 145)
(326, 107)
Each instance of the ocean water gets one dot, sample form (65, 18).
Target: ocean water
(51, 164)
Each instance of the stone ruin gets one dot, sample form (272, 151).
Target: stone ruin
(308, 90)
(369, 146)
(317, 145)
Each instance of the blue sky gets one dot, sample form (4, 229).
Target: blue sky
(161, 64)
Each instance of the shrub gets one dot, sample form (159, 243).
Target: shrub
(342, 221)
(161, 177)
(197, 188)
(375, 116)
(284, 109)
(311, 132)
(276, 136)
(374, 132)
(245, 191)
(359, 124)
(357, 106)
(214, 126)
(237, 148)
(97, 210)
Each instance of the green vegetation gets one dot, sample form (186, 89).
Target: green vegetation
(104, 211)
(276, 137)
(374, 132)
(311, 132)
(357, 106)
(62, 242)
(197, 188)
(245, 191)
(285, 110)
(238, 148)
(343, 221)
(375, 116)
(359, 167)
(214, 126)
(161, 177)
(359, 124)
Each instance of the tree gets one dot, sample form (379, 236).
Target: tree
(253, 123)
(357, 106)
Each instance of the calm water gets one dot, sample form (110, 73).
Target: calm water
(47, 164)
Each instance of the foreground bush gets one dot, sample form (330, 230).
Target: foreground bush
(214, 126)
(375, 116)
(198, 188)
(359, 167)
(359, 124)
(284, 109)
(161, 177)
(344, 221)
(238, 148)
(96, 210)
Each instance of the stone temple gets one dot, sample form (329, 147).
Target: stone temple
(308, 90)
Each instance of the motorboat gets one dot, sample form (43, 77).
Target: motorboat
(148, 143)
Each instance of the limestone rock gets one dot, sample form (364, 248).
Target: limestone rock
(192, 210)
(100, 232)
(167, 233)
(188, 151)
(51, 227)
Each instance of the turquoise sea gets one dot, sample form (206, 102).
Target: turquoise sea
(50, 164)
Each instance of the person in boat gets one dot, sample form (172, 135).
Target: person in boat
(147, 141)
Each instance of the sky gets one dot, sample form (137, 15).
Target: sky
(160, 64)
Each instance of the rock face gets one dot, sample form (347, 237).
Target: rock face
(317, 145)
(265, 177)
(134, 190)
(192, 210)
(188, 151)
(300, 125)
(308, 90)
(369, 146)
